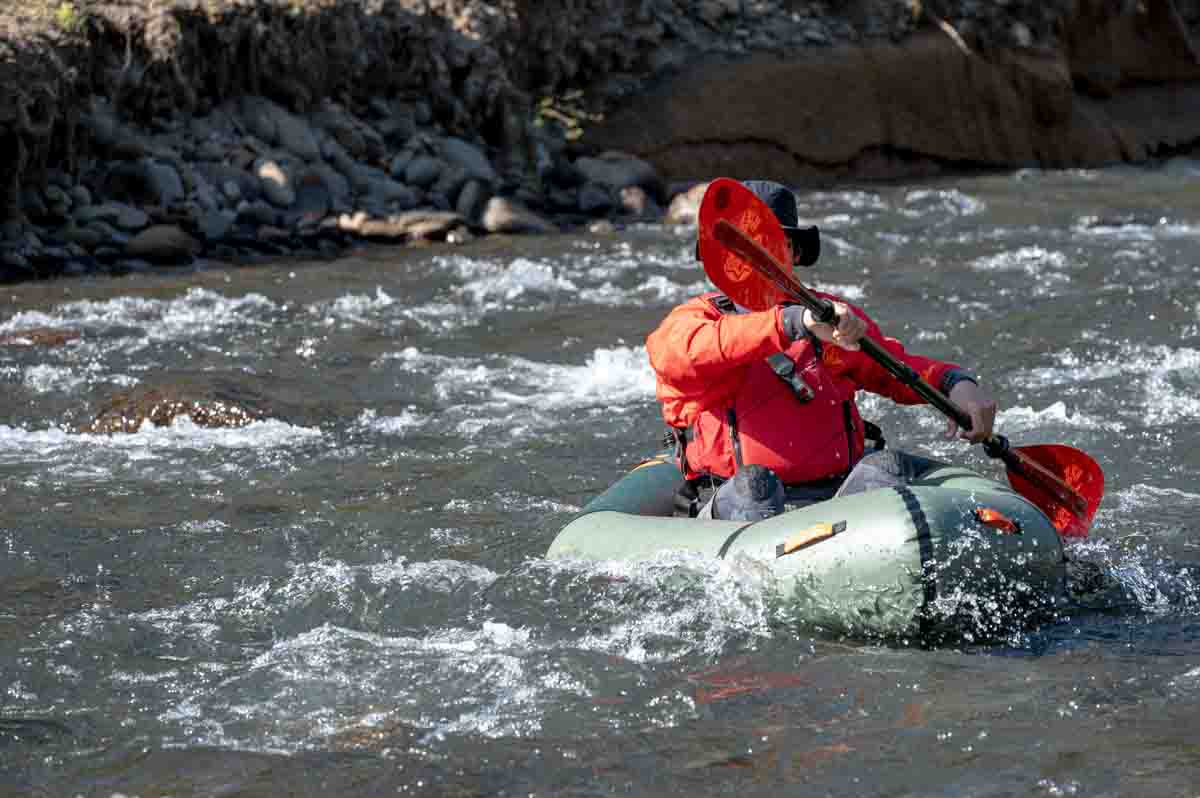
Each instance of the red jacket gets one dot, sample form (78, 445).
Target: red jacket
(708, 362)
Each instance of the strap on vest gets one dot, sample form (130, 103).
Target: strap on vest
(785, 369)
(735, 439)
(872, 432)
(680, 437)
(783, 366)
(723, 304)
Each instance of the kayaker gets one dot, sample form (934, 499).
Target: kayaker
(762, 404)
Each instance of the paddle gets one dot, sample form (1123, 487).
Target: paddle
(1065, 483)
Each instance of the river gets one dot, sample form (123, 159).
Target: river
(349, 596)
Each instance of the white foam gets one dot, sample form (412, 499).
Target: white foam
(611, 376)
(1171, 390)
(1158, 229)
(841, 245)
(45, 378)
(391, 425)
(850, 293)
(1169, 378)
(922, 202)
(520, 277)
(480, 674)
(333, 579)
(1057, 415)
(855, 200)
(352, 307)
(624, 257)
(1141, 496)
(22, 445)
(197, 313)
(1030, 260)
(698, 604)
(1129, 361)
(509, 501)
(655, 290)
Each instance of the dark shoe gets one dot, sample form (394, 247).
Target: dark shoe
(754, 493)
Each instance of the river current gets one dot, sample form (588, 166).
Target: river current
(349, 596)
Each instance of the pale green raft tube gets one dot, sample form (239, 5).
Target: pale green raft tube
(900, 562)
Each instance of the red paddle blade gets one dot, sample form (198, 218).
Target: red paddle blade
(728, 199)
(1080, 472)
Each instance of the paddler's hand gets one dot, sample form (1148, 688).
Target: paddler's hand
(849, 329)
(979, 405)
(798, 320)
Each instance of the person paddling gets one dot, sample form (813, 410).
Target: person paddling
(762, 407)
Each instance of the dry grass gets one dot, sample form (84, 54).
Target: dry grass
(42, 19)
(56, 19)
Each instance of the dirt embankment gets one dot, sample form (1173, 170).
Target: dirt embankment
(136, 133)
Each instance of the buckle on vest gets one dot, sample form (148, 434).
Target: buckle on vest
(785, 369)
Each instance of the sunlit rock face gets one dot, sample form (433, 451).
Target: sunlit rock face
(1114, 84)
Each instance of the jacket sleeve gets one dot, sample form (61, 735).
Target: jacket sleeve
(696, 343)
(870, 376)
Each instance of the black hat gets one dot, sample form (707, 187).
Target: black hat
(805, 241)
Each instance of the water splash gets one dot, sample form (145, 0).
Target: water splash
(198, 313)
(940, 202)
(516, 280)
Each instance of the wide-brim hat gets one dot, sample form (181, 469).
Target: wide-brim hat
(805, 241)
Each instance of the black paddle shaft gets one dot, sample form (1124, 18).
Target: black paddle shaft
(824, 312)
(732, 237)
(997, 446)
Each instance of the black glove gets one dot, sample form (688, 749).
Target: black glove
(793, 322)
(954, 377)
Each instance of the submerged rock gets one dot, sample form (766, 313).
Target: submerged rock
(39, 336)
(127, 411)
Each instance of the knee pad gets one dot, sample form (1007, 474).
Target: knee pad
(754, 493)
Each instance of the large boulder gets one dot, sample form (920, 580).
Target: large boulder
(505, 215)
(163, 243)
(421, 225)
(618, 170)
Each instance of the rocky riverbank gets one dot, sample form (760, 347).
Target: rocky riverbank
(140, 134)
